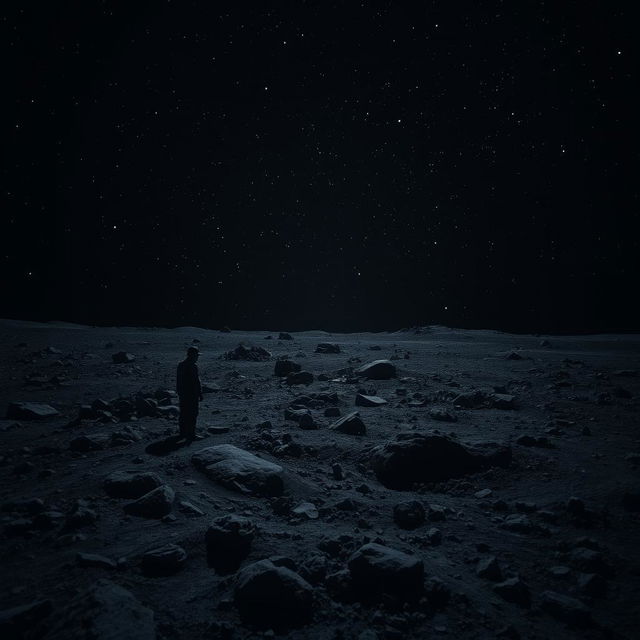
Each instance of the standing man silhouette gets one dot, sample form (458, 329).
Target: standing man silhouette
(190, 394)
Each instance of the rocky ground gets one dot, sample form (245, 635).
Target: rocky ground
(487, 487)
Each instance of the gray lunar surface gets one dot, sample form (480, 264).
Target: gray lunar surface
(541, 544)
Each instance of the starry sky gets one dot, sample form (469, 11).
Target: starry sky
(313, 164)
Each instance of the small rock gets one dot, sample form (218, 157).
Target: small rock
(155, 504)
(96, 561)
(327, 347)
(306, 509)
(122, 357)
(489, 569)
(409, 514)
(514, 590)
(163, 561)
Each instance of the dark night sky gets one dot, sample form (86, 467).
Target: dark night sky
(336, 165)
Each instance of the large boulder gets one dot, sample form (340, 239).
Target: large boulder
(376, 569)
(228, 541)
(123, 484)
(239, 470)
(423, 458)
(350, 424)
(155, 504)
(30, 411)
(105, 611)
(377, 370)
(273, 597)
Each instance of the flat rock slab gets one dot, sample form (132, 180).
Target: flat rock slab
(369, 401)
(377, 370)
(239, 470)
(413, 458)
(30, 411)
(105, 611)
(122, 484)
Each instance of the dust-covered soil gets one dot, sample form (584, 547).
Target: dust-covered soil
(545, 546)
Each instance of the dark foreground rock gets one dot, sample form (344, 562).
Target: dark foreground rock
(376, 569)
(17, 621)
(239, 470)
(228, 541)
(155, 504)
(421, 458)
(122, 484)
(270, 596)
(105, 611)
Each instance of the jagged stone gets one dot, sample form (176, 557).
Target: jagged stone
(350, 424)
(155, 504)
(253, 353)
(272, 597)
